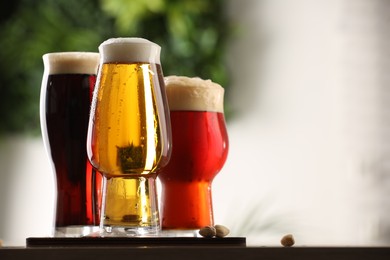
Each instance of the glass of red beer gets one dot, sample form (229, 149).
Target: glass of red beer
(66, 92)
(199, 150)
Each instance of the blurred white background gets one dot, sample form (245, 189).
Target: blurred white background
(309, 140)
(310, 145)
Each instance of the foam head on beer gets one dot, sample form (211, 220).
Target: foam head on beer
(129, 50)
(71, 62)
(193, 94)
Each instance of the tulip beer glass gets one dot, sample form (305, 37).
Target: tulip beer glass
(66, 93)
(199, 150)
(129, 135)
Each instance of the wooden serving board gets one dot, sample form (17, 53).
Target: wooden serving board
(133, 241)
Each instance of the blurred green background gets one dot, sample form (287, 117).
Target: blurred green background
(192, 33)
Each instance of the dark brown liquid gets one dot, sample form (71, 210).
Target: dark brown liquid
(67, 106)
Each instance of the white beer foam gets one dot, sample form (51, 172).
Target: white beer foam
(71, 62)
(129, 50)
(193, 94)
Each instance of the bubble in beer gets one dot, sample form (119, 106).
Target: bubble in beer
(71, 62)
(129, 50)
(193, 94)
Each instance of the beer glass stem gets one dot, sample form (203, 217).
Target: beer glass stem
(130, 206)
(187, 205)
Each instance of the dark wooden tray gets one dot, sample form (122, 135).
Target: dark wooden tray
(133, 241)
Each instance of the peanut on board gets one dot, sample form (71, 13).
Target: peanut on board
(221, 231)
(208, 231)
(214, 231)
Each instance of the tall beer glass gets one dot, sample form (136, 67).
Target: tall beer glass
(129, 135)
(199, 150)
(66, 93)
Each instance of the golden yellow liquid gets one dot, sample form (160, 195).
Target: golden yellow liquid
(126, 137)
(125, 141)
(128, 202)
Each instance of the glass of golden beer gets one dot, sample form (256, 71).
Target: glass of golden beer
(129, 135)
(199, 150)
(66, 92)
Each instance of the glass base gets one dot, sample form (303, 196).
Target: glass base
(75, 231)
(129, 207)
(129, 231)
(180, 233)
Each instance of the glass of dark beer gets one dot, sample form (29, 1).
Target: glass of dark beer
(199, 151)
(129, 135)
(66, 92)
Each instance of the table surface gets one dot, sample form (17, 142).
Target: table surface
(194, 252)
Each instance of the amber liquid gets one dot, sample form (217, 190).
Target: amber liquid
(199, 150)
(67, 105)
(125, 139)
